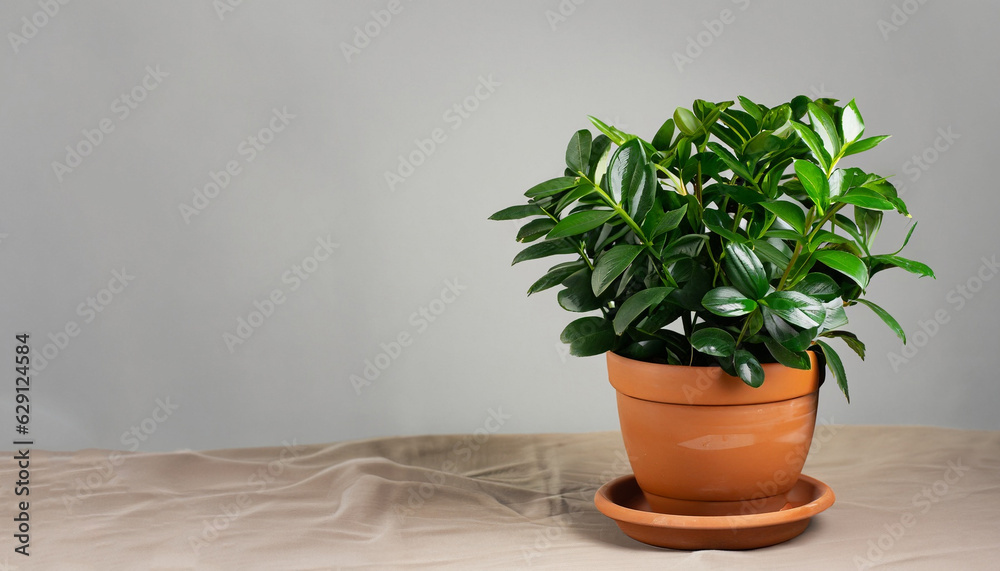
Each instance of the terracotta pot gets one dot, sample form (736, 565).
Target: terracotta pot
(702, 442)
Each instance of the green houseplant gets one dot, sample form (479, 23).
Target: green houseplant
(740, 225)
(724, 249)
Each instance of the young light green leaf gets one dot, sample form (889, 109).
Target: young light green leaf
(864, 145)
(822, 124)
(814, 143)
(845, 263)
(580, 222)
(728, 302)
(578, 151)
(617, 136)
(814, 182)
(866, 198)
(836, 367)
(635, 305)
(687, 122)
(713, 341)
(611, 265)
(752, 108)
(886, 318)
(851, 123)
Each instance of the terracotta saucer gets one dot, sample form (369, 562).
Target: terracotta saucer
(622, 500)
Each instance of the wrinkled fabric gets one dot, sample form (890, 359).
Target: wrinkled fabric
(907, 498)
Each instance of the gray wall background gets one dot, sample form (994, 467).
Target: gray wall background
(152, 369)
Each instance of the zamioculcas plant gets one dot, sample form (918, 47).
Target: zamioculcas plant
(745, 226)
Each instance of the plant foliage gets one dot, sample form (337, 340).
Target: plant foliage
(734, 237)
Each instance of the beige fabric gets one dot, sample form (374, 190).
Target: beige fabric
(909, 497)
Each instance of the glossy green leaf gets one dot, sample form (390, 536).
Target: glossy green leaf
(577, 296)
(814, 143)
(616, 135)
(783, 332)
(665, 134)
(745, 271)
(518, 212)
(836, 367)
(819, 286)
(748, 368)
(912, 266)
(789, 212)
(835, 314)
(578, 151)
(535, 229)
(886, 318)
(864, 145)
(752, 108)
(687, 122)
(556, 275)
(787, 357)
(627, 171)
(600, 156)
(720, 223)
(589, 336)
(713, 341)
(731, 161)
(580, 222)
(814, 182)
(767, 252)
(551, 187)
(544, 249)
(851, 123)
(572, 196)
(850, 339)
(638, 303)
(822, 124)
(866, 198)
(611, 265)
(728, 302)
(796, 308)
(847, 264)
(670, 220)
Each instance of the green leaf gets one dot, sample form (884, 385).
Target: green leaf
(789, 212)
(544, 249)
(745, 271)
(687, 122)
(577, 295)
(814, 143)
(713, 341)
(612, 133)
(627, 171)
(748, 368)
(556, 275)
(611, 265)
(845, 263)
(814, 182)
(636, 304)
(728, 302)
(886, 318)
(580, 222)
(851, 123)
(551, 187)
(535, 229)
(822, 124)
(784, 333)
(788, 358)
(912, 266)
(866, 198)
(578, 151)
(851, 339)
(517, 212)
(661, 141)
(836, 367)
(589, 336)
(864, 145)
(600, 155)
(720, 223)
(738, 168)
(819, 286)
(572, 196)
(767, 252)
(796, 308)
(670, 220)
(835, 314)
(752, 108)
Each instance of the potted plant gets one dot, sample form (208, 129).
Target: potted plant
(716, 261)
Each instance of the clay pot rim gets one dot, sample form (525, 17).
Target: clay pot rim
(660, 383)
